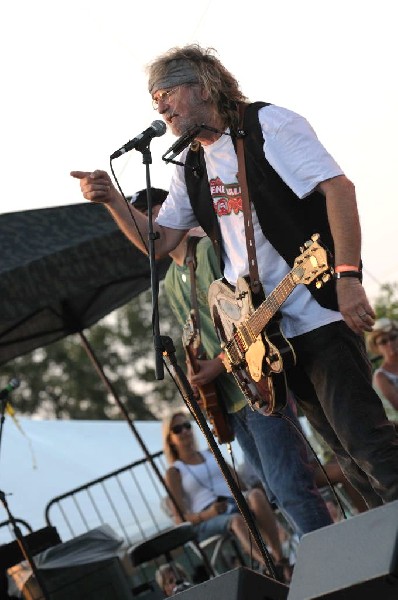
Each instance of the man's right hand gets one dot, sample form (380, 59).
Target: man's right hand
(209, 369)
(96, 186)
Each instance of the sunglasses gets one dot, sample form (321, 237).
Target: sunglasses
(177, 429)
(389, 338)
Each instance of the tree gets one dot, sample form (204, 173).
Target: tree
(59, 380)
(386, 304)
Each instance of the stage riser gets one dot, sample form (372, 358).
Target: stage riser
(239, 584)
(356, 559)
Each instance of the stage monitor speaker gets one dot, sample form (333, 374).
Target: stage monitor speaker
(240, 584)
(103, 580)
(355, 559)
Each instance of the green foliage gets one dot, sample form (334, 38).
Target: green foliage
(60, 380)
(386, 304)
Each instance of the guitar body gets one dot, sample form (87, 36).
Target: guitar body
(256, 351)
(208, 395)
(216, 414)
(259, 372)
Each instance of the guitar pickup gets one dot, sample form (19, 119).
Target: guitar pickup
(244, 338)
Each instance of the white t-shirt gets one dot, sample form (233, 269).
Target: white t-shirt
(202, 483)
(294, 151)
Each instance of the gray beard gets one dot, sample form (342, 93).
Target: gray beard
(198, 116)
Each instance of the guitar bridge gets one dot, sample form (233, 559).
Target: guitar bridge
(226, 361)
(239, 345)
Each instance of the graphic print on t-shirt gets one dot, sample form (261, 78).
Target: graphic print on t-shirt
(227, 197)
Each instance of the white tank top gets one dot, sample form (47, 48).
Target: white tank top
(202, 483)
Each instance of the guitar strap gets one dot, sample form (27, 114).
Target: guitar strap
(255, 284)
(190, 261)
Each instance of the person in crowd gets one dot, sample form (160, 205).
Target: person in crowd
(296, 189)
(270, 444)
(172, 578)
(203, 496)
(334, 476)
(383, 342)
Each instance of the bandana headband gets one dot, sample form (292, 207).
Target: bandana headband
(178, 71)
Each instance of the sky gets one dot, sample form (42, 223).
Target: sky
(42, 459)
(74, 90)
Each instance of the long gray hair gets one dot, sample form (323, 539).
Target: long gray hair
(222, 87)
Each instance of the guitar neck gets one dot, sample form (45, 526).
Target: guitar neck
(192, 357)
(267, 309)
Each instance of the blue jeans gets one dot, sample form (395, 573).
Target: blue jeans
(279, 457)
(332, 385)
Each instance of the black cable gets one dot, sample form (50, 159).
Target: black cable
(129, 209)
(279, 415)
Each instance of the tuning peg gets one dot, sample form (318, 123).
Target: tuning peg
(325, 277)
(308, 243)
(302, 249)
(315, 237)
(318, 284)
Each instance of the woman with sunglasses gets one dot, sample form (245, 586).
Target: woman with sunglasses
(383, 341)
(200, 490)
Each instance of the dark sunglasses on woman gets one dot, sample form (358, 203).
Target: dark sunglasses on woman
(180, 426)
(389, 338)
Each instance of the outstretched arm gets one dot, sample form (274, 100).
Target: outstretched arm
(345, 227)
(97, 186)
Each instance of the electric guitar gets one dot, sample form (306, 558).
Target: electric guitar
(209, 399)
(256, 351)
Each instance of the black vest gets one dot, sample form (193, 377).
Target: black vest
(286, 221)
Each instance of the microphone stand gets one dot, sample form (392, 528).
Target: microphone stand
(17, 532)
(195, 410)
(164, 348)
(159, 371)
(24, 548)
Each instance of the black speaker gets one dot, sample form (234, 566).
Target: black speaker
(240, 584)
(356, 559)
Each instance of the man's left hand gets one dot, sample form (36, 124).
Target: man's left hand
(354, 305)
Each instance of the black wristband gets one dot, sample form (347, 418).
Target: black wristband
(357, 274)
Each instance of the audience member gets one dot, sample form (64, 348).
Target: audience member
(203, 497)
(296, 189)
(383, 342)
(172, 578)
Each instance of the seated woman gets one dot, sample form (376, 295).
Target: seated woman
(203, 497)
(383, 341)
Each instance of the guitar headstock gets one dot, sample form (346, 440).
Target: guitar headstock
(190, 332)
(312, 263)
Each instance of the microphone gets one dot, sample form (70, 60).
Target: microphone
(182, 143)
(5, 392)
(140, 142)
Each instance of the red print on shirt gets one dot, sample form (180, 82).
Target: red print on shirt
(227, 198)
